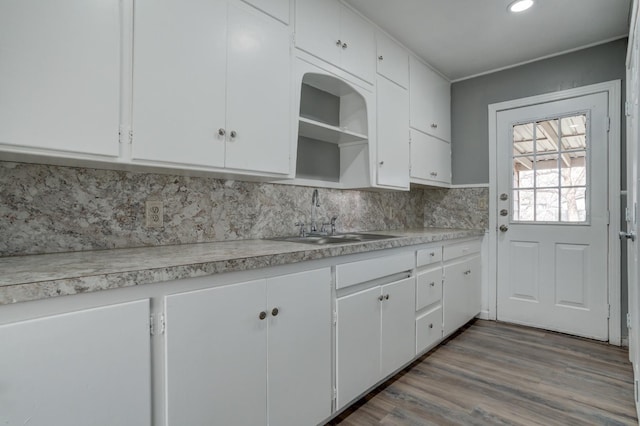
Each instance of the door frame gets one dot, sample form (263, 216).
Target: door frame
(613, 88)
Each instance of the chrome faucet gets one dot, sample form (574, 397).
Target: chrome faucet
(315, 203)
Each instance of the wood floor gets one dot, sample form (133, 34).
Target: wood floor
(493, 373)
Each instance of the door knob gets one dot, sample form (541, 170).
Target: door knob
(504, 228)
(628, 235)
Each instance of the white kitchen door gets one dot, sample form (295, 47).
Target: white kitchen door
(552, 202)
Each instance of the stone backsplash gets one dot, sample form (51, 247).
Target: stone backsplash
(47, 209)
(456, 208)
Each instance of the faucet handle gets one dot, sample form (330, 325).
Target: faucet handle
(303, 232)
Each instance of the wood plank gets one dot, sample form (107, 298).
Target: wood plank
(503, 374)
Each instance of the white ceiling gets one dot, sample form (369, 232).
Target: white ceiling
(463, 38)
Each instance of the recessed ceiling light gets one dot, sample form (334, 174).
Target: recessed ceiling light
(520, 5)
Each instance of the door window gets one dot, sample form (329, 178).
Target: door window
(550, 170)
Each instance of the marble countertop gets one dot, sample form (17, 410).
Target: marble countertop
(33, 277)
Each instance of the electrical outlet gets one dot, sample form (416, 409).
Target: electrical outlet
(482, 204)
(154, 213)
(390, 211)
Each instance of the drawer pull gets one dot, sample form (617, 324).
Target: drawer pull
(275, 312)
(432, 254)
(432, 284)
(430, 325)
(386, 297)
(262, 315)
(381, 298)
(467, 272)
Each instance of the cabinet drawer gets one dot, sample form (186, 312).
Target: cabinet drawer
(428, 256)
(461, 249)
(428, 330)
(366, 270)
(429, 289)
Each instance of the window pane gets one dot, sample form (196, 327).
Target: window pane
(547, 205)
(522, 173)
(523, 202)
(574, 132)
(573, 169)
(547, 173)
(523, 138)
(574, 204)
(547, 136)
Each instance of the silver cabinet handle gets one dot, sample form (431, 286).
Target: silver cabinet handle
(381, 298)
(432, 254)
(262, 315)
(504, 196)
(381, 58)
(344, 45)
(233, 134)
(467, 272)
(381, 163)
(504, 212)
(339, 43)
(221, 131)
(386, 297)
(430, 325)
(434, 126)
(275, 311)
(432, 284)
(434, 174)
(504, 228)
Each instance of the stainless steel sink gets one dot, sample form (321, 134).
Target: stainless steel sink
(351, 237)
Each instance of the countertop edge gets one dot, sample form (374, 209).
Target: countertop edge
(42, 289)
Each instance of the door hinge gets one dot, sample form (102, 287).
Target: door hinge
(125, 135)
(628, 320)
(627, 109)
(156, 324)
(335, 317)
(607, 123)
(608, 311)
(335, 394)
(608, 217)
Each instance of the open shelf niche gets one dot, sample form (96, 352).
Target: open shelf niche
(333, 141)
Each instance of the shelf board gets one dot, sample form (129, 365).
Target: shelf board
(327, 133)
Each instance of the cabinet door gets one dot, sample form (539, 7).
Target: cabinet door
(393, 134)
(179, 81)
(430, 98)
(258, 101)
(430, 158)
(461, 293)
(60, 68)
(398, 341)
(393, 60)
(318, 28)
(279, 9)
(358, 343)
(299, 348)
(216, 356)
(358, 45)
(90, 367)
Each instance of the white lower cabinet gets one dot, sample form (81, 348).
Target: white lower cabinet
(461, 287)
(375, 336)
(253, 353)
(88, 367)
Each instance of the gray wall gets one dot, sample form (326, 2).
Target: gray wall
(470, 99)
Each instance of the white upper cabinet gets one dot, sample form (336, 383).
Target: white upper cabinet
(279, 9)
(430, 160)
(430, 101)
(180, 81)
(60, 84)
(258, 93)
(333, 32)
(393, 60)
(393, 134)
(211, 87)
